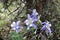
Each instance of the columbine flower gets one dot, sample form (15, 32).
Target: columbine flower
(16, 26)
(29, 22)
(46, 26)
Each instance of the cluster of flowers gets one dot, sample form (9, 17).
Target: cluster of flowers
(30, 23)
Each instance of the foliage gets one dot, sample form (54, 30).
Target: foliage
(15, 36)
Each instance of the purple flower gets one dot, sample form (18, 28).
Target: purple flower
(16, 26)
(46, 26)
(31, 19)
(30, 22)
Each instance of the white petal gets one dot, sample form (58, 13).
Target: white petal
(31, 25)
(18, 22)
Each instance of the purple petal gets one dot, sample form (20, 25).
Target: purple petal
(43, 23)
(13, 28)
(34, 17)
(16, 30)
(18, 22)
(26, 21)
(28, 16)
(34, 26)
(43, 27)
(48, 29)
(34, 12)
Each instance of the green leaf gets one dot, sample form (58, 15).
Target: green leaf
(15, 36)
